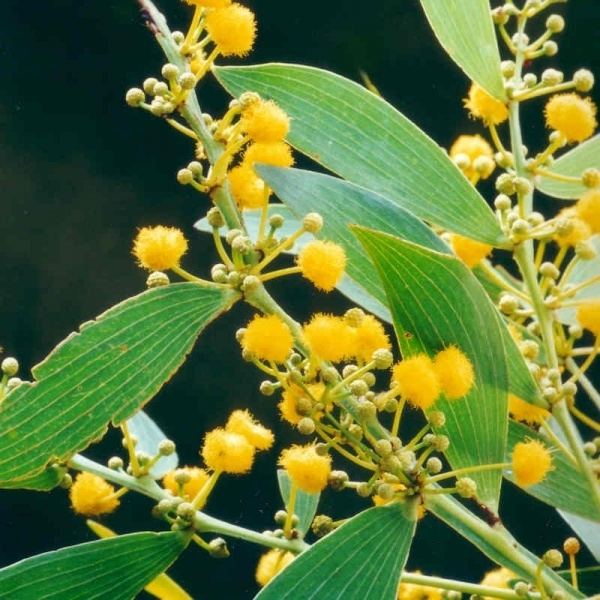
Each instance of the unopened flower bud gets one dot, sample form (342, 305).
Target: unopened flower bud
(13, 383)
(66, 481)
(590, 449)
(166, 447)
(280, 517)
(358, 387)
(500, 16)
(149, 84)
(322, 525)
(484, 165)
(502, 202)
(585, 250)
(530, 79)
(505, 184)
(10, 366)
(312, 222)
(242, 244)
(591, 178)
(248, 98)
(529, 349)
(267, 388)
(553, 558)
(337, 480)
(383, 447)
(217, 548)
(466, 487)
(306, 426)
(508, 68)
(181, 476)
(508, 304)
(169, 71)
(552, 77)
(157, 279)
(548, 269)
(356, 431)
(383, 359)
(186, 511)
(232, 234)
(135, 96)
(433, 465)
(366, 409)
(521, 40)
(115, 463)
(215, 218)
(569, 388)
(187, 81)
(276, 221)
(441, 443)
(385, 491)
(437, 418)
(550, 48)
(185, 176)
(555, 23)
(160, 88)
(364, 490)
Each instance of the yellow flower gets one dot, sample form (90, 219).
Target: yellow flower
(92, 496)
(417, 381)
(233, 29)
(159, 248)
(414, 591)
(483, 106)
(369, 336)
(228, 452)
(307, 469)
(322, 263)
(526, 412)
(247, 188)
(290, 398)
(571, 115)
(498, 578)
(197, 478)
(270, 564)
(268, 338)
(278, 154)
(242, 422)
(455, 372)
(588, 209)
(473, 147)
(531, 462)
(469, 251)
(264, 121)
(331, 338)
(588, 315)
(209, 3)
(572, 230)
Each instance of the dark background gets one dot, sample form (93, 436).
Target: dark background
(80, 171)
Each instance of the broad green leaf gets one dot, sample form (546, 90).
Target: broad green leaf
(305, 506)
(494, 541)
(149, 435)
(564, 476)
(342, 204)
(466, 31)
(587, 531)
(44, 481)
(361, 137)
(162, 586)
(361, 559)
(588, 579)
(116, 568)
(583, 270)
(436, 301)
(572, 164)
(103, 374)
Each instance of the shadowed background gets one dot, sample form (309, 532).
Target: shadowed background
(80, 171)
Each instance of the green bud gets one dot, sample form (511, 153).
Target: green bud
(134, 97)
(217, 548)
(10, 366)
(337, 480)
(553, 558)
(312, 222)
(157, 279)
(166, 447)
(466, 487)
(555, 23)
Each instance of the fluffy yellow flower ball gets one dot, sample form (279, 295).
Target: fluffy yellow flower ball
(588, 315)
(498, 578)
(469, 251)
(197, 478)
(525, 411)
(588, 209)
(307, 469)
(278, 154)
(264, 121)
(571, 115)
(268, 338)
(233, 29)
(228, 452)
(417, 381)
(242, 422)
(331, 338)
(288, 406)
(322, 263)
(92, 496)
(531, 462)
(270, 564)
(369, 336)
(473, 147)
(455, 372)
(159, 248)
(483, 106)
(572, 230)
(247, 188)
(414, 591)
